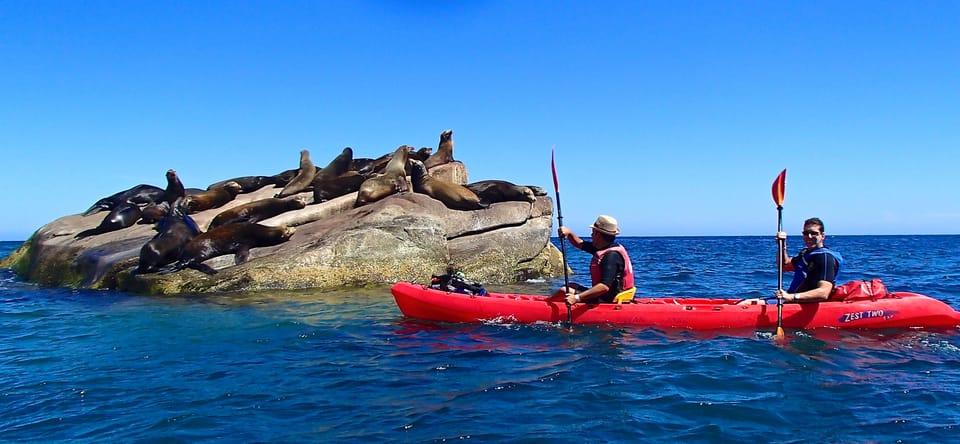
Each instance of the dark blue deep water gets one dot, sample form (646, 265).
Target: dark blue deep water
(307, 366)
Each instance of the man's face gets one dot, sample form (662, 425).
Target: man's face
(813, 235)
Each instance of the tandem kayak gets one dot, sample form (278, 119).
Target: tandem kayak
(894, 310)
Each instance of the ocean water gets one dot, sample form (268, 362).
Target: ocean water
(306, 366)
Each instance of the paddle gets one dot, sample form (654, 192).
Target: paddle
(563, 249)
(779, 189)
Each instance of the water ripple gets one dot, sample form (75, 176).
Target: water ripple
(347, 367)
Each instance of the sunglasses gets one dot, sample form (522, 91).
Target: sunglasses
(811, 233)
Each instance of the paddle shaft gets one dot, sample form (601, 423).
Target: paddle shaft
(563, 248)
(781, 243)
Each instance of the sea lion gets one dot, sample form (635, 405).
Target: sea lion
(444, 152)
(336, 167)
(363, 165)
(422, 154)
(175, 230)
(214, 198)
(346, 183)
(453, 195)
(123, 216)
(368, 167)
(236, 239)
(174, 189)
(154, 212)
(281, 179)
(248, 184)
(392, 180)
(304, 176)
(257, 210)
(139, 194)
(492, 191)
(537, 191)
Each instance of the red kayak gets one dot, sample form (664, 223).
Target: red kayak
(893, 310)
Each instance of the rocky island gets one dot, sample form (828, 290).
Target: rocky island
(408, 235)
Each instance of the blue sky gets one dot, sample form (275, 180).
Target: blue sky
(674, 117)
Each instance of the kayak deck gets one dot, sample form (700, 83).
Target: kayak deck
(897, 310)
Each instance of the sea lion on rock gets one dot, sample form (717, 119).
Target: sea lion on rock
(453, 195)
(174, 189)
(422, 154)
(392, 180)
(444, 152)
(236, 239)
(214, 198)
(257, 210)
(336, 167)
(304, 176)
(492, 191)
(175, 230)
(139, 194)
(123, 216)
(363, 165)
(537, 191)
(248, 184)
(281, 179)
(346, 183)
(154, 212)
(369, 167)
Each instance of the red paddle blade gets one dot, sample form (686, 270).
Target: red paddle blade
(553, 166)
(779, 187)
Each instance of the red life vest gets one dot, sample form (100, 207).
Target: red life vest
(627, 267)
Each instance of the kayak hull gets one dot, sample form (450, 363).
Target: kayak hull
(897, 310)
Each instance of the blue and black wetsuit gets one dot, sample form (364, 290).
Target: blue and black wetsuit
(811, 267)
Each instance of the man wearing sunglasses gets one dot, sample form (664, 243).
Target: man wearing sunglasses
(815, 269)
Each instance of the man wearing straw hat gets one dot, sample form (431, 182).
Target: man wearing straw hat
(609, 273)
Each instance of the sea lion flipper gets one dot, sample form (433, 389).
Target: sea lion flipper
(96, 208)
(86, 233)
(242, 254)
(203, 268)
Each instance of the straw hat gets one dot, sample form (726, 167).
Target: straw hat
(606, 225)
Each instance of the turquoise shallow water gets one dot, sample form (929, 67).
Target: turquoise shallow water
(306, 366)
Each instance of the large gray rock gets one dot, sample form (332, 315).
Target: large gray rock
(402, 237)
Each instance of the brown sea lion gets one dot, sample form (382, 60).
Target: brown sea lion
(174, 189)
(346, 183)
(337, 166)
(453, 196)
(422, 154)
(363, 165)
(444, 152)
(537, 191)
(175, 230)
(139, 194)
(257, 210)
(392, 180)
(248, 184)
(236, 239)
(123, 216)
(281, 179)
(154, 212)
(304, 176)
(492, 191)
(369, 167)
(214, 198)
